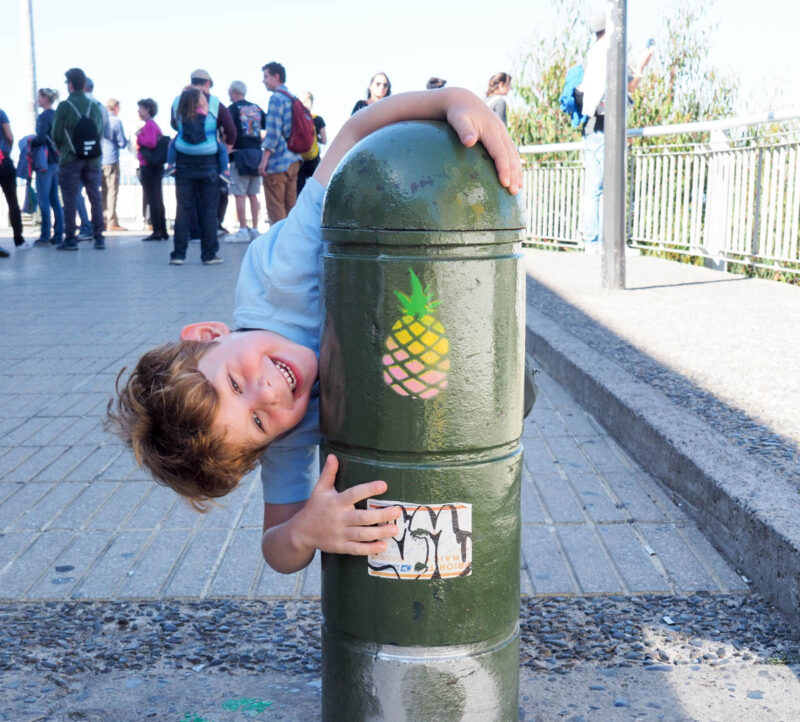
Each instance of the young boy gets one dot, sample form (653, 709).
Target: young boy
(199, 413)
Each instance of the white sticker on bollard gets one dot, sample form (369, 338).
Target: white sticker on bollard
(434, 542)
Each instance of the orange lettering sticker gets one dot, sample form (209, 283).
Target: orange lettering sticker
(434, 542)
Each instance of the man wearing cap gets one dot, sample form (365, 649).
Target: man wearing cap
(590, 95)
(197, 175)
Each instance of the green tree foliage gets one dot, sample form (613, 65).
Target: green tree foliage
(679, 85)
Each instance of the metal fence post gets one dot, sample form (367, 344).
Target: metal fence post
(421, 371)
(754, 241)
(614, 174)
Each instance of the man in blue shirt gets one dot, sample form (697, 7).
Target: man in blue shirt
(111, 148)
(279, 165)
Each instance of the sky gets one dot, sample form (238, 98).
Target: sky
(149, 48)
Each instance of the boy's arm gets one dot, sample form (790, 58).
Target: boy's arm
(328, 521)
(469, 115)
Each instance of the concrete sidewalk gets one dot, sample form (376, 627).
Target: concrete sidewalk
(81, 521)
(108, 583)
(693, 372)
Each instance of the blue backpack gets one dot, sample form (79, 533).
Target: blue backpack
(567, 99)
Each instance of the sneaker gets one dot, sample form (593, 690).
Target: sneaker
(70, 245)
(4, 253)
(117, 228)
(41, 243)
(24, 246)
(85, 236)
(241, 236)
(213, 261)
(175, 261)
(254, 234)
(100, 244)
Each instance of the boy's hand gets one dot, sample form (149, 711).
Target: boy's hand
(472, 119)
(330, 522)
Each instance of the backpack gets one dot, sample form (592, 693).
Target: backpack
(567, 99)
(193, 131)
(301, 137)
(84, 139)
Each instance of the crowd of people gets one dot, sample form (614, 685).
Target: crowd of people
(217, 150)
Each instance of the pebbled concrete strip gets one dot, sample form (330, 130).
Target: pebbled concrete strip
(749, 512)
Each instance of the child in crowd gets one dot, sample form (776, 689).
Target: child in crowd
(192, 113)
(199, 412)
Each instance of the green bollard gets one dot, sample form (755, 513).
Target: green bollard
(421, 372)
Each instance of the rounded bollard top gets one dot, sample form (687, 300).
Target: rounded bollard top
(418, 176)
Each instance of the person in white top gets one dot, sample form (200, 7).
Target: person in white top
(592, 91)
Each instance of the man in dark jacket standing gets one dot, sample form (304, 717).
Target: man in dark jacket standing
(81, 163)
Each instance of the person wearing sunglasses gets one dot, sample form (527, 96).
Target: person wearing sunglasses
(380, 87)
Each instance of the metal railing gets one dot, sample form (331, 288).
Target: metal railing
(730, 199)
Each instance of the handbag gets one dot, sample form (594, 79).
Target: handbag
(157, 155)
(31, 202)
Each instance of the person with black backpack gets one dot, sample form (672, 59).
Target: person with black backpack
(77, 130)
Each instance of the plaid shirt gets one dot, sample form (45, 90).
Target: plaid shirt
(279, 126)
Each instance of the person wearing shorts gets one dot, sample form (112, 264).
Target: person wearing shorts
(250, 121)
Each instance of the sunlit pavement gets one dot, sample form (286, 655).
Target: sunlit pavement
(118, 602)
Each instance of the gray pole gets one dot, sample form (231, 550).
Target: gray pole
(26, 22)
(614, 171)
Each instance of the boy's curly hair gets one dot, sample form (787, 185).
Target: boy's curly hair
(165, 411)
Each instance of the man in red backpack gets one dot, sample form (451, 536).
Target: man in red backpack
(279, 165)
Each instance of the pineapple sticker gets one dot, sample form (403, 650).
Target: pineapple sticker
(417, 363)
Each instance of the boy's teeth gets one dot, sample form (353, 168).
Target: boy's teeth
(288, 374)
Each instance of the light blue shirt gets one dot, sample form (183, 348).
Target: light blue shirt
(278, 290)
(5, 146)
(117, 140)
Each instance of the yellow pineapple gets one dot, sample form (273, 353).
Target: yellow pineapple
(416, 364)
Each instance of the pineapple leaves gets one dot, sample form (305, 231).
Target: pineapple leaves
(419, 303)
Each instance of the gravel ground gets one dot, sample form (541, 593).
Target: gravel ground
(755, 438)
(72, 660)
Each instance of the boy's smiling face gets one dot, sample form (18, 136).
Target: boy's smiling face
(263, 380)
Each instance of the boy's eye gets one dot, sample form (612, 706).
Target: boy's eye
(234, 385)
(257, 422)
